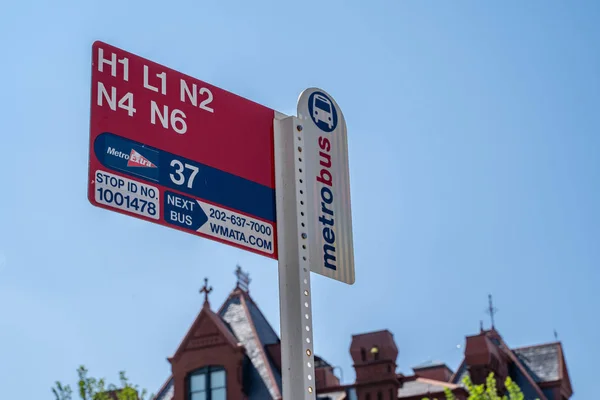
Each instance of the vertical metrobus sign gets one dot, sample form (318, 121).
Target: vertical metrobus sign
(173, 150)
(325, 141)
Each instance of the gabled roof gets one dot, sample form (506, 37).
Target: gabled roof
(199, 327)
(242, 323)
(254, 332)
(205, 314)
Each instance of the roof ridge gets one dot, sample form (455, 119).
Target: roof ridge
(237, 292)
(261, 347)
(232, 294)
(531, 346)
(253, 319)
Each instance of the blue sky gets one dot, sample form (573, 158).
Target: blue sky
(473, 134)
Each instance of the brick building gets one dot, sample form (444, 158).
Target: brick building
(234, 353)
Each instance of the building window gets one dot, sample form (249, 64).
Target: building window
(375, 352)
(207, 383)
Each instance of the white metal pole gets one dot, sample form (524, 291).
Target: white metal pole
(297, 356)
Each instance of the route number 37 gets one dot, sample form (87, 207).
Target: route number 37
(178, 176)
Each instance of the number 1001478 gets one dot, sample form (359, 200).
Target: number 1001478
(109, 197)
(127, 195)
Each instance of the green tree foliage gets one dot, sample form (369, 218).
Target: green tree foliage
(97, 389)
(487, 391)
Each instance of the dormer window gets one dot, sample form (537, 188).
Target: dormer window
(207, 383)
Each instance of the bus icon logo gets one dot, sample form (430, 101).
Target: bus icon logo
(322, 111)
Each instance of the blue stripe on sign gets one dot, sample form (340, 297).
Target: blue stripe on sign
(209, 183)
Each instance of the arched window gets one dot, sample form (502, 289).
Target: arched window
(207, 383)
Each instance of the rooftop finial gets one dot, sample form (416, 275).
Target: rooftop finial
(491, 309)
(206, 290)
(243, 279)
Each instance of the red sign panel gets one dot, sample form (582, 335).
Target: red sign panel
(177, 151)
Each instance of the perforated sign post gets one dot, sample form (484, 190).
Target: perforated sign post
(179, 152)
(315, 225)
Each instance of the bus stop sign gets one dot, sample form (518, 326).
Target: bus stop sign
(174, 150)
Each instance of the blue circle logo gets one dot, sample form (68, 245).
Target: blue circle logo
(322, 111)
